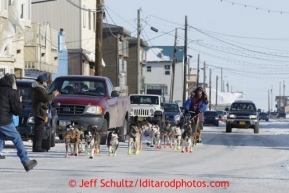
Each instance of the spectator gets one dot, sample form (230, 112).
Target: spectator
(10, 103)
(39, 101)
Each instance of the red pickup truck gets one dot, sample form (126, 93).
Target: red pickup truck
(87, 100)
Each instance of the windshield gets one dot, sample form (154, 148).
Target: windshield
(263, 114)
(24, 91)
(209, 113)
(243, 107)
(79, 86)
(171, 108)
(135, 99)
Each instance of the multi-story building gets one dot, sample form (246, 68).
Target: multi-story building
(34, 48)
(119, 51)
(15, 63)
(158, 72)
(77, 18)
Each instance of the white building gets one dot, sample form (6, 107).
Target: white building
(34, 49)
(158, 72)
(15, 62)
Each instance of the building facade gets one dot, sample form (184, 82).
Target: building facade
(14, 62)
(77, 18)
(158, 73)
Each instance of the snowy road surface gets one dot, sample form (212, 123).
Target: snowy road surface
(240, 161)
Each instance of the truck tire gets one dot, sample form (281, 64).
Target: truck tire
(103, 129)
(256, 129)
(228, 129)
(60, 136)
(46, 143)
(123, 131)
(52, 140)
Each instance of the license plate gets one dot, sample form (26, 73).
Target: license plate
(242, 123)
(140, 118)
(63, 123)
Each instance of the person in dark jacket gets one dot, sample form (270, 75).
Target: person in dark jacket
(39, 101)
(11, 103)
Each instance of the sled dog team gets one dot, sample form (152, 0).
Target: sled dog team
(137, 132)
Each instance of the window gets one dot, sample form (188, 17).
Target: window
(167, 67)
(149, 68)
(84, 17)
(167, 72)
(89, 20)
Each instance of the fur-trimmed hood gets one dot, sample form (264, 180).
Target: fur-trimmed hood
(9, 81)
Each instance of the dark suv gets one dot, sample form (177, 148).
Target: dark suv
(242, 114)
(26, 120)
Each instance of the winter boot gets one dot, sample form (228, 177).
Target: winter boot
(30, 165)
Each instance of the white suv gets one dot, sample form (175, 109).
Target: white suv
(147, 107)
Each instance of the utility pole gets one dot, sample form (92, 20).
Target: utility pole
(227, 86)
(210, 90)
(98, 39)
(271, 98)
(186, 58)
(284, 100)
(173, 67)
(216, 93)
(138, 50)
(198, 69)
(269, 101)
(221, 79)
(204, 84)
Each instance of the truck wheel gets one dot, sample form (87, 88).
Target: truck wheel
(256, 129)
(46, 143)
(103, 129)
(53, 140)
(60, 136)
(228, 129)
(123, 131)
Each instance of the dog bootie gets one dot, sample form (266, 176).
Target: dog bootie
(179, 148)
(129, 152)
(137, 152)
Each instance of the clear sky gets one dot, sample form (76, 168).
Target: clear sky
(248, 39)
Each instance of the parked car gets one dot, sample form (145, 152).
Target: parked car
(242, 114)
(26, 120)
(172, 112)
(263, 116)
(281, 115)
(90, 100)
(211, 117)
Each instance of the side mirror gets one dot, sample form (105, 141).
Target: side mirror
(55, 104)
(114, 93)
(162, 104)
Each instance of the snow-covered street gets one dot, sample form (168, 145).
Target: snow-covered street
(240, 161)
